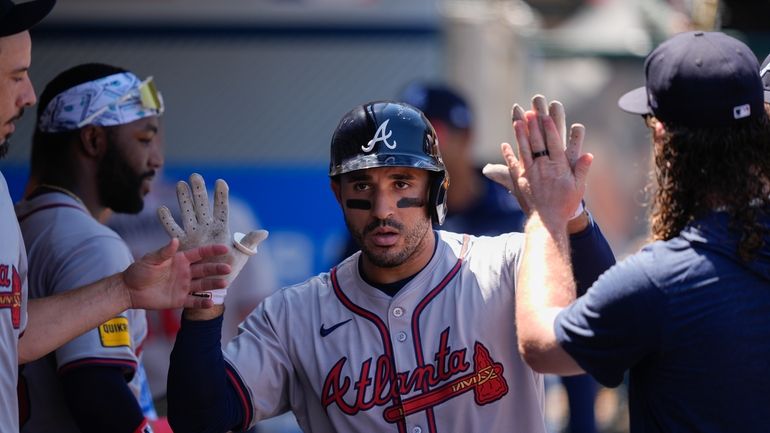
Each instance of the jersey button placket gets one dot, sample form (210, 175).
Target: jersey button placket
(398, 325)
(398, 313)
(417, 429)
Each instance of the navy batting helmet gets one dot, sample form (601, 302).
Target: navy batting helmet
(390, 134)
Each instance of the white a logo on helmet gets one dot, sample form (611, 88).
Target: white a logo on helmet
(382, 135)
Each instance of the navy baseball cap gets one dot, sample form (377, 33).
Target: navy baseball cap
(764, 72)
(438, 102)
(16, 18)
(699, 79)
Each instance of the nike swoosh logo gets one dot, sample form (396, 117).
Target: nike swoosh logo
(327, 331)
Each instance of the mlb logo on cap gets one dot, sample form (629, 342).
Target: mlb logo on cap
(742, 111)
(699, 79)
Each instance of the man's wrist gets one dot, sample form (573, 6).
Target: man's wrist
(577, 225)
(197, 314)
(551, 224)
(117, 284)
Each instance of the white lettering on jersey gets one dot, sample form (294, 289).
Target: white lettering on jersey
(382, 134)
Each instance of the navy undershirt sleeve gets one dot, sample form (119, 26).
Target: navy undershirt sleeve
(200, 396)
(591, 256)
(94, 392)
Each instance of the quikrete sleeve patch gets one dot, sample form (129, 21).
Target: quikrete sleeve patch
(114, 332)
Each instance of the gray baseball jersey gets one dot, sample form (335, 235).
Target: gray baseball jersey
(13, 308)
(439, 356)
(68, 248)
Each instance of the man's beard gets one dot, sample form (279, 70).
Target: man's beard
(120, 187)
(5, 146)
(412, 239)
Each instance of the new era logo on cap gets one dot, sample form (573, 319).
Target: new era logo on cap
(699, 79)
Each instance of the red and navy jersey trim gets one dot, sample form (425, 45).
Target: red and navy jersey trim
(387, 344)
(243, 395)
(417, 337)
(47, 206)
(128, 366)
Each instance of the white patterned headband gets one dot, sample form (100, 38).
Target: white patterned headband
(109, 101)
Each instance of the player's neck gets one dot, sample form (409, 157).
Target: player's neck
(86, 195)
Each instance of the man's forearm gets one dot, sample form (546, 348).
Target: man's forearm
(544, 287)
(57, 319)
(200, 397)
(545, 273)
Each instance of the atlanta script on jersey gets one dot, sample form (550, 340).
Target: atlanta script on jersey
(438, 357)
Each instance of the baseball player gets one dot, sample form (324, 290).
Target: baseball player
(413, 334)
(29, 330)
(688, 316)
(85, 162)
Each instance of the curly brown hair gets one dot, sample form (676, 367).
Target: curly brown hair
(698, 170)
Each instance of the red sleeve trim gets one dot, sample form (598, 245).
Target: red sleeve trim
(129, 366)
(243, 395)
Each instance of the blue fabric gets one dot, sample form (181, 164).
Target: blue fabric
(588, 267)
(200, 397)
(692, 324)
(89, 407)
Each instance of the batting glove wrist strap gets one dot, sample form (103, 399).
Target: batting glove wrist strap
(217, 296)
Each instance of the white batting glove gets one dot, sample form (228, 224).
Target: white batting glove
(500, 173)
(203, 227)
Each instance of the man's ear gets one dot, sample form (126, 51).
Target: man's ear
(659, 129)
(93, 140)
(336, 188)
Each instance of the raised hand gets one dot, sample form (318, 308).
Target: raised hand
(203, 225)
(505, 175)
(166, 277)
(546, 180)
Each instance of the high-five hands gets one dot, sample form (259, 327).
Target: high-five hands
(549, 175)
(202, 226)
(165, 278)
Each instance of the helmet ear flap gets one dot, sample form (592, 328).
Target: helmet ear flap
(437, 196)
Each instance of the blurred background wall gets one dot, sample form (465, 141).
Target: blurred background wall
(254, 89)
